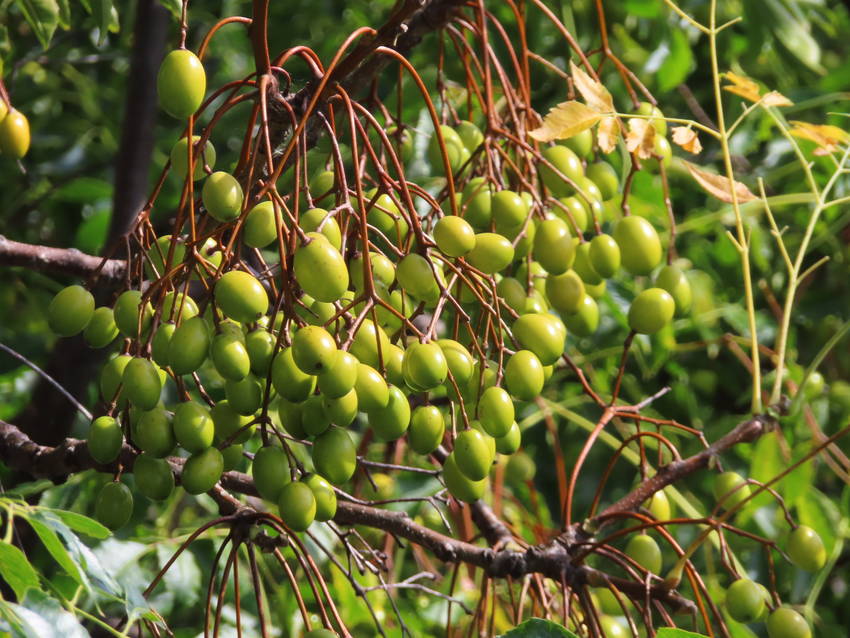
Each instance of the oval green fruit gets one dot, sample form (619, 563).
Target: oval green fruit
(674, 281)
(341, 410)
(338, 380)
(241, 296)
(520, 468)
(456, 151)
(105, 439)
(472, 454)
(193, 426)
(640, 247)
(496, 411)
(126, 314)
(784, 622)
(230, 356)
(101, 329)
(321, 633)
(427, 428)
(371, 388)
(202, 471)
(415, 276)
(584, 321)
(270, 471)
(314, 417)
(320, 221)
(161, 344)
(459, 485)
(290, 417)
(470, 135)
(553, 246)
(574, 212)
(288, 379)
(524, 375)
(730, 490)
(110, 379)
(424, 365)
(565, 292)
(370, 343)
(580, 143)
(14, 134)
(70, 311)
(154, 478)
(246, 395)
(605, 255)
(114, 505)
(260, 228)
(583, 266)
(222, 196)
(142, 383)
(335, 455)
(459, 360)
(313, 349)
(509, 209)
(492, 253)
(188, 346)
(543, 334)
(605, 178)
(181, 83)
(651, 310)
(297, 506)
(178, 306)
(564, 161)
(391, 422)
(454, 236)
(154, 433)
(744, 600)
(659, 506)
(320, 270)
(324, 494)
(259, 344)
(643, 549)
(806, 549)
(510, 442)
(180, 157)
(227, 422)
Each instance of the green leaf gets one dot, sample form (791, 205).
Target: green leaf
(174, 6)
(16, 570)
(671, 632)
(64, 14)
(62, 622)
(678, 63)
(56, 549)
(82, 524)
(42, 16)
(539, 628)
(107, 19)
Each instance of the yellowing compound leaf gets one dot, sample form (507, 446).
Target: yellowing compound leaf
(641, 138)
(564, 121)
(719, 186)
(594, 93)
(742, 86)
(607, 134)
(687, 138)
(827, 137)
(775, 98)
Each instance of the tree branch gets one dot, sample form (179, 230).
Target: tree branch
(64, 261)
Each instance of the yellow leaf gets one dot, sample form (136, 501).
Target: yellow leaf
(564, 121)
(687, 138)
(775, 98)
(719, 186)
(607, 133)
(594, 93)
(641, 138)
(827, 137)
(743, 86)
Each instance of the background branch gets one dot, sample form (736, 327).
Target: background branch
(60, 261)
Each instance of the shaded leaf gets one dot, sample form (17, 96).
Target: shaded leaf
(16, 570)
(594, 93)
(687, 138)
(718, 185)
(678, 63)
(564, 121)
(42, 16)
(539, 628)
(61, 621)
(82, 524)
(56, 549)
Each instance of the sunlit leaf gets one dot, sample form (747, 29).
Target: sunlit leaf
(672, 632)
(687, 138)
(607, 134)
(742, 86)
(718, 185)
(594, 93)
(775, 98)
(827, 137)
(641, 138)
(564, 121)
(539, 628)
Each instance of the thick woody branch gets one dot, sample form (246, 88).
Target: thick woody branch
(64, 261)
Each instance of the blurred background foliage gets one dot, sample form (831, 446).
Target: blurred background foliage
(69, 76)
